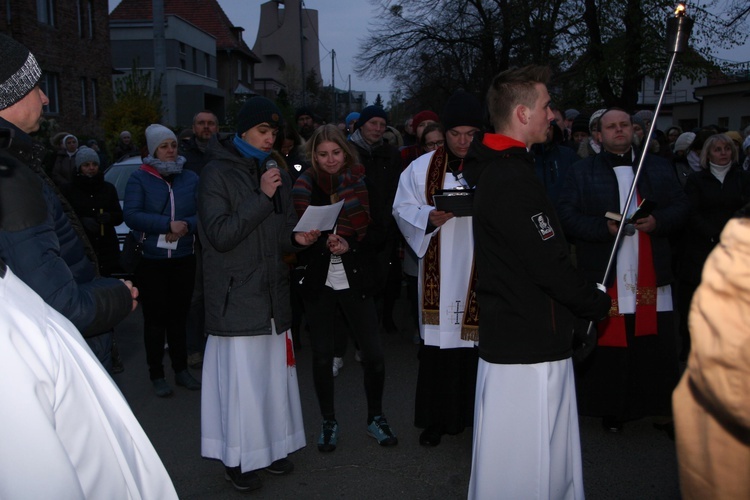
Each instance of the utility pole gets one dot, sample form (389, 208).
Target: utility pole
(160, 53)
(333, 87)
(302, 57)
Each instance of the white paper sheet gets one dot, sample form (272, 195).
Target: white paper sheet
(323, 218)
(163, 243)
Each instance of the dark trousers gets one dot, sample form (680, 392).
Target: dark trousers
(165, 286)
(196, 338)
(359, 317)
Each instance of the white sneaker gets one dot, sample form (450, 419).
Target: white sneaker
(338, 364)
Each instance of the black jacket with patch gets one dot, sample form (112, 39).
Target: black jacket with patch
(529, 293)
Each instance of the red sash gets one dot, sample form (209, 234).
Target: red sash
(612, 329)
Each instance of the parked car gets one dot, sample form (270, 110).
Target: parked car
(118, 175)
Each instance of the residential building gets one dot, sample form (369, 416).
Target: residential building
(208, 64)
(70, 40)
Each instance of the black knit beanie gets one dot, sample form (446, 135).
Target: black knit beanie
(580, 124)
(369, 113)
(255, 111)
(19, 71)
(462, 110)
(302, 112)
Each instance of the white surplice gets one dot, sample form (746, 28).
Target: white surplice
(412, 212)
(67, 431)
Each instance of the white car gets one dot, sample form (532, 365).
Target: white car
(118, 175)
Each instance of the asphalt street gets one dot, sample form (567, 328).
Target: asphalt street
(639, 463)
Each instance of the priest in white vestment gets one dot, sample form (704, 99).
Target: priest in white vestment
(444, 245)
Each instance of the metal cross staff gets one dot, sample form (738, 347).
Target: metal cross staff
(678, 32)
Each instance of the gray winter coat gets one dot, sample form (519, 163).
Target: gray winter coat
(246, 282)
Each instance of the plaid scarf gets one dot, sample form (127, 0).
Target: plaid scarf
(347, 185)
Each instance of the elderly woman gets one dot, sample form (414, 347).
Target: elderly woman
(715, 193)
(251, 416)
(160, 207)
(340, 277)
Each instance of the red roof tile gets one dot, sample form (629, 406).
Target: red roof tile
(205, 14)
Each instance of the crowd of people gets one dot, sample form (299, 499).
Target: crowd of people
(500, 228)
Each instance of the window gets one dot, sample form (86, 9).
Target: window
(239, 70)
(45, 11)
(79, 16)
(182, 48)
(195, 60)
(723, 121)
(90, 12)
(94, 105)
(83, 97)
(207, 59)
(658, 83)
(48, 84)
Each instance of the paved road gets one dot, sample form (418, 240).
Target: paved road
(637, 464)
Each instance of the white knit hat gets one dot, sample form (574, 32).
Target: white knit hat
(155, 135)
(683, 142)
(19, 71)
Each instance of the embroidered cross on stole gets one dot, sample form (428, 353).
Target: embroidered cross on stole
(431, 263)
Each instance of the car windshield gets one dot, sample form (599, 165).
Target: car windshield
(119, 173)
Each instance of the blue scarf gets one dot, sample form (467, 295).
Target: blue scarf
(248, 151)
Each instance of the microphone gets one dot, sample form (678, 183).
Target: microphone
(277, 208)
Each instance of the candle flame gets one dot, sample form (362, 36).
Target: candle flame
(679, 10)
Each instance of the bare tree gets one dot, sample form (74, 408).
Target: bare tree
(602, 49)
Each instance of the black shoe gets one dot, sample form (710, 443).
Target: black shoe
(430, 437)
(612, 424)
(242, 481)
(329, 436)
(281, 466)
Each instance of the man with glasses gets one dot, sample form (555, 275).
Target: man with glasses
(444, 245)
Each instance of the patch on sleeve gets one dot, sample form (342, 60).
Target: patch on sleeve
(541, 221)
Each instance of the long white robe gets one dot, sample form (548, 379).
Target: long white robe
(412, 212)
(526, 438)
(67, 431)
(251, 413)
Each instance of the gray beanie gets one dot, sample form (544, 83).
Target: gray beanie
(19, 71)
(155, 135)
(84, 155)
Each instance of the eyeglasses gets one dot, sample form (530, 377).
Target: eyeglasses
(433, 145)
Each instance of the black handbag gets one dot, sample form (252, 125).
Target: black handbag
(132, 251)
